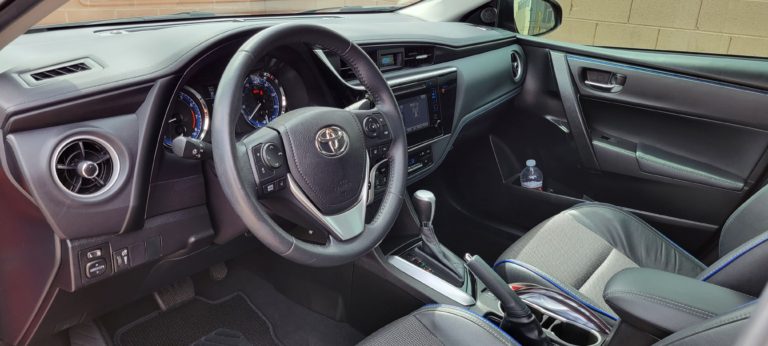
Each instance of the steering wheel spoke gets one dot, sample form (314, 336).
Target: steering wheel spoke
(263, 150)
(341, 226)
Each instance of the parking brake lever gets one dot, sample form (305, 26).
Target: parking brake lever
(518, 320)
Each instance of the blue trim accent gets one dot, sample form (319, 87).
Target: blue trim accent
(476, 314)
(668, 74)
(733, 259)
(561, 288)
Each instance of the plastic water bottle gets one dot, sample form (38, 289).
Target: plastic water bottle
(531, 177)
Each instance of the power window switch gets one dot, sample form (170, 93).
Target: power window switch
(95, 268)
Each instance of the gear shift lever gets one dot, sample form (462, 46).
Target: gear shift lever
(424, 203)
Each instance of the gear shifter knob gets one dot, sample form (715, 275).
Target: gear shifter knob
(424, 203)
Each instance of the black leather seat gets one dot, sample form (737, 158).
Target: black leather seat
(580, 249)
(440, 325)
(450, 325)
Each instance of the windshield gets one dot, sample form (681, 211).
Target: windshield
(101, 11)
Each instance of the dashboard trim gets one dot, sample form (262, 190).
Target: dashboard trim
(441, 286)
(392, 82)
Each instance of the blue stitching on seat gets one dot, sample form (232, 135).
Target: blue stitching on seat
(553, 283)
(740, 306)
(476, 314)
(733, 259)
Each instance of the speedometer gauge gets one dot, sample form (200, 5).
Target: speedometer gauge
(189, 117)
(263, 99)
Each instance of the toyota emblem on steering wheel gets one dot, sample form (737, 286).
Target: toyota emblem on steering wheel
(332, 141)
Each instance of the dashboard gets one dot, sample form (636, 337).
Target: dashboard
(124, 109)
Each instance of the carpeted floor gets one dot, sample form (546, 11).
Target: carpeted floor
(293, 323)
(193, 320)
(242, 302)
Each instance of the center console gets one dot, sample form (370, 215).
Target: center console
(427, 106)
(531, 313)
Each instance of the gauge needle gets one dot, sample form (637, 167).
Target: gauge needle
(254, 111)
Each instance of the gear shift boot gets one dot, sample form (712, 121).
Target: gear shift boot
(424, 204)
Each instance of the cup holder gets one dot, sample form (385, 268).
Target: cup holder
(560, 331)
(563, 332)
(572, 334)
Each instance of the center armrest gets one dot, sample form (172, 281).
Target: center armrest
(661, 303)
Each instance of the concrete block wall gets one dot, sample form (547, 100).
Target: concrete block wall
(734, 27)
(84, 10)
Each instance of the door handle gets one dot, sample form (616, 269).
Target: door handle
(599, 85)
(604, 81)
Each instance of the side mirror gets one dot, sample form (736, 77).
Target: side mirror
(529, 17)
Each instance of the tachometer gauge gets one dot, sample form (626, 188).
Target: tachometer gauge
(189, 117)
(263, 99)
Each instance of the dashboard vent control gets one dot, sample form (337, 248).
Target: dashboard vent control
(517, 66)
(85, 166)
(60, 71)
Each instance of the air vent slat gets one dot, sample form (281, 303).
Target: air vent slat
(85, 167)
(412, 57)
(59, 71)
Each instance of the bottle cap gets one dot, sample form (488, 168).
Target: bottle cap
(530, 163)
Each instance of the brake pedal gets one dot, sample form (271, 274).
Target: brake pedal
(175, 294)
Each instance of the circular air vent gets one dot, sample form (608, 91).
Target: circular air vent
(517, 66)
(85, 166)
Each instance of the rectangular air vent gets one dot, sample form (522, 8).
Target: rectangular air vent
(406, 57)
(417, 56)
(58, 71)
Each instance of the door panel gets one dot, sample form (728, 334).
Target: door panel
(675, 92)
(701, 151)
(681, 142)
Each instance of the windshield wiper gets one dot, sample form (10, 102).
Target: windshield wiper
(173, 16)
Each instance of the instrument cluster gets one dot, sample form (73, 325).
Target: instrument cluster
(264, 99)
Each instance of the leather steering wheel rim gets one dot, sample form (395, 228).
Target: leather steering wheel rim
(236, 176)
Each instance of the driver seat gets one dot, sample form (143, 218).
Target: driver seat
(450, 325)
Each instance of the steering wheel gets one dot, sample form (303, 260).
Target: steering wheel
(310, 165)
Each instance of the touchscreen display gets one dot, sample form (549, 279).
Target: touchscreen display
(415, 111)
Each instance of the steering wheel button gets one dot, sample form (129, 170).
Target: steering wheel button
(371, 126)
(271, 155)
(264, 172)
(270, 187)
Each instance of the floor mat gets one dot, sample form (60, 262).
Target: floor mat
(191, 321)
(294, 324)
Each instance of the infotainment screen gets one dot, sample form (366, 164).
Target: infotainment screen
(415, 112)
